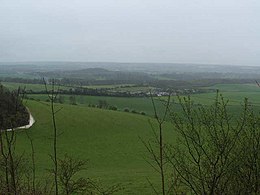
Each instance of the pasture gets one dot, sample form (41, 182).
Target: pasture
(110, 140)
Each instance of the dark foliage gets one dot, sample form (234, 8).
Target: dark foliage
(12, 109)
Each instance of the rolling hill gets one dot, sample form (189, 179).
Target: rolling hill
(110, 140)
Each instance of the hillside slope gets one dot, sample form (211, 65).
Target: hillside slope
(110, 140)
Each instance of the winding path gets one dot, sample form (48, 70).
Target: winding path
(31, 122)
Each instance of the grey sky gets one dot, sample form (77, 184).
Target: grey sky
(196, 31)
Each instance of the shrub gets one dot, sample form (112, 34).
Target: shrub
(126, 110)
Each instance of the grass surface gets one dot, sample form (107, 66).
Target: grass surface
(108, 139)
(138, 104)
(235, 93)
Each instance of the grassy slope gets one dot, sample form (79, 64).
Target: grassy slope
(234, 92)
(109, 139)
(138, 104)
(236, 87)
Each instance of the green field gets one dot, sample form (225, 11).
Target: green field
(236, 87)
(114, 88)
(108, 139)
(235, 93)
(132, 103)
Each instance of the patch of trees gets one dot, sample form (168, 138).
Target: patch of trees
(21, 80)
(12, 111)
(134, 111)
(103, 104)
(92, 92)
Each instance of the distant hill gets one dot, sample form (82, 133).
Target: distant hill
(12, 112)
(98, 74)
(161, 68)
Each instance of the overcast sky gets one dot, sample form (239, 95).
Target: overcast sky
(193, 31)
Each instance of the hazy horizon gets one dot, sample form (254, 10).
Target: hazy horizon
(181, 32)
(96, 64)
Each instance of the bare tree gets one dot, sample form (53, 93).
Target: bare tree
(208, 138)
(98, 189)
(10, 161)
(33, 168)
(158, 160)
(52, 95)
(248, 152)
(68, 168)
